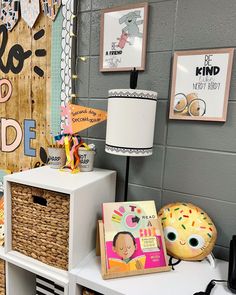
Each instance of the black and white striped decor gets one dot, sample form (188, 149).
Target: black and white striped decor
(47, 287)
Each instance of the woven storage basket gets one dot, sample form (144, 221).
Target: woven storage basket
(87, 292)
(2, 277)
(40, 224)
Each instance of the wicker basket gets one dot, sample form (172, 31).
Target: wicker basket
(2, 278)
(40, 224)
(87, 292)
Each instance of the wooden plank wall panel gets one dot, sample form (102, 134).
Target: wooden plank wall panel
(31, 93)
(12, 105)
(3, 108)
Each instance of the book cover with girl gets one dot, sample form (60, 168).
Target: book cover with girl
(133, 237)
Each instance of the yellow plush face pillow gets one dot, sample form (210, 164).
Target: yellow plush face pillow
(189, 232)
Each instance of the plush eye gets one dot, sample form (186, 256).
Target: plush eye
(196, 241)
(170, 233)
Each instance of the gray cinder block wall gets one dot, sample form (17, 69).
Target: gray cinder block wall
(192, 161)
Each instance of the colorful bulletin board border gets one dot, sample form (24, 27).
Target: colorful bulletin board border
(68, 12)
(56, 81)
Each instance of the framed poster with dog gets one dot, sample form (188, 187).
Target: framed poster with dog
(123, 38)
(200, 84)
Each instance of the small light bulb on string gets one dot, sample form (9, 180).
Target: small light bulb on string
(83, 58)
(73, 98)
(73, 35)
(73, 95)
(73, 16)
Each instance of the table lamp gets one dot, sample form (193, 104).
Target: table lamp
(130, 124)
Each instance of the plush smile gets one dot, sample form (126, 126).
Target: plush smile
(181, 243)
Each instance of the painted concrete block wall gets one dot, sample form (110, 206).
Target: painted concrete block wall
(191, 161)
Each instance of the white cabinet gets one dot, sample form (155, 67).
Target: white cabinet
(86, 191)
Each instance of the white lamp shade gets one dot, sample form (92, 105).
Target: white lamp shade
(130, 122)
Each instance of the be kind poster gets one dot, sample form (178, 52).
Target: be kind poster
(200, 84)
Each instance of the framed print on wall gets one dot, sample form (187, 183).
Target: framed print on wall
(200, 84)
(123, 38)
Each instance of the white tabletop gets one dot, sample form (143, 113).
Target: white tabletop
(186, 279)
(54, 179)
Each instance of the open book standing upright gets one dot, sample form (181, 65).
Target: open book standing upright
(133, 239)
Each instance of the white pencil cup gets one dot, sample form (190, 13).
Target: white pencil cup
(56, 157)
(86, 159)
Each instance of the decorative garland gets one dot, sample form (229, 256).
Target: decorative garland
(10, 11)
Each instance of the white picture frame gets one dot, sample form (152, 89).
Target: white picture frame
(200, 84)
(123, 38)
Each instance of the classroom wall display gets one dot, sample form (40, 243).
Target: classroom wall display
(30, 93)
(200, 84)
(133, 239)
(124, 47)
(64, 43)
(25, 93)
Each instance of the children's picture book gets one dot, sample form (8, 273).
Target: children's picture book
(133, 238)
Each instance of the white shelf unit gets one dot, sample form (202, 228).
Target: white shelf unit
(87, 191)
(186, 279)
(14, 278)
(21, 274)
(22, 270)
(59, 276)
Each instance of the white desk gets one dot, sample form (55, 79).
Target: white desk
(186, 279)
